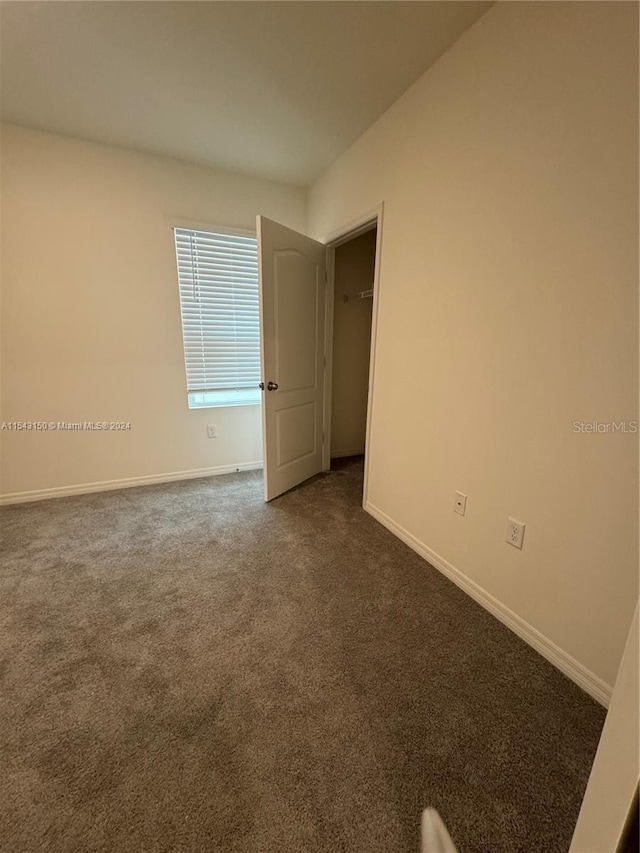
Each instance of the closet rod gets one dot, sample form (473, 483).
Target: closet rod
(363, 294)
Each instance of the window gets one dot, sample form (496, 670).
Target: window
(218, 280)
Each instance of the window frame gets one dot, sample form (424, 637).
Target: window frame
(251, 398)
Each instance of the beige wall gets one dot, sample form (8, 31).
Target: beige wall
(354, 268)
(91, 317)
(509, 309)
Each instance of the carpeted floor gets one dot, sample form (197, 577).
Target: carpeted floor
(185, 668)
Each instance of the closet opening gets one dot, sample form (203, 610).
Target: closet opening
(350, 321)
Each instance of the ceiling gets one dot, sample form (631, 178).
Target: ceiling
(274, 89)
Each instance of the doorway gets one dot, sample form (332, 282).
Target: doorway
(354, 269)
(299, 301)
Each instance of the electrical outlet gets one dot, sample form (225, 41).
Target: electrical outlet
(460, 503)
(515, 533)
(212, 431)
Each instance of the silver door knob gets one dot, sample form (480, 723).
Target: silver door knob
(261, 386)
(272, 386)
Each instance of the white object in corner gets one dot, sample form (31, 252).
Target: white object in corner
(573, 669)
(435, 838)
(613, 784)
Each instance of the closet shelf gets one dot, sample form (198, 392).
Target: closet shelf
(363, 294)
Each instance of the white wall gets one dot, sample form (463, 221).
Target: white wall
(353, 271)
(91, 317)
(509, 310)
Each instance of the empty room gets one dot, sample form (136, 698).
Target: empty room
(319, 426)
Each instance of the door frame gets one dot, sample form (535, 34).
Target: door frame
(366, 222)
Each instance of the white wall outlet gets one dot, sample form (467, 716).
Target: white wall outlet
(515, 533)
(212, 431)
(460, 503)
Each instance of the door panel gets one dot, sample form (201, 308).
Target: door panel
(295, 433)
(292, 320)
(296, 321)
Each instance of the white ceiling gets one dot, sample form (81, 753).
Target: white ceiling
(275, 89)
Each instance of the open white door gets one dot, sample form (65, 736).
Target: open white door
(292, 323)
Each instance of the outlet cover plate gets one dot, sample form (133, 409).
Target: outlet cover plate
(515, 533)
(460, 503)
(212, 431)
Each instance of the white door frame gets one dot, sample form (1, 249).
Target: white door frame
(366, 222)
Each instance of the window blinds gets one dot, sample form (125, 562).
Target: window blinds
(218, 280)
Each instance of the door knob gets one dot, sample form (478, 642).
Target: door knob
(272, 386)
(261, 386)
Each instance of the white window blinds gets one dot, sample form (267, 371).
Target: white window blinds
(218, 280)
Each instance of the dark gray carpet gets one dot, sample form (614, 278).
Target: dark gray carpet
(185, 668)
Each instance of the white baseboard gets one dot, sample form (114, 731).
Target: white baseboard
(128, 483)
(573, 669)
(356, 451)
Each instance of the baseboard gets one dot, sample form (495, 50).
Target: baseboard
(338, 454)
(573, 669)
(128, 483)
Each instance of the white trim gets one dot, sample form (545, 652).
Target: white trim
(128, 483)
(372, 354)
(191, 225)
(354, 228)
(573, 669)
(328, 358)
(355, 451)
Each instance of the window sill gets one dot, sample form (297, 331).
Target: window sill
(218, 399)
